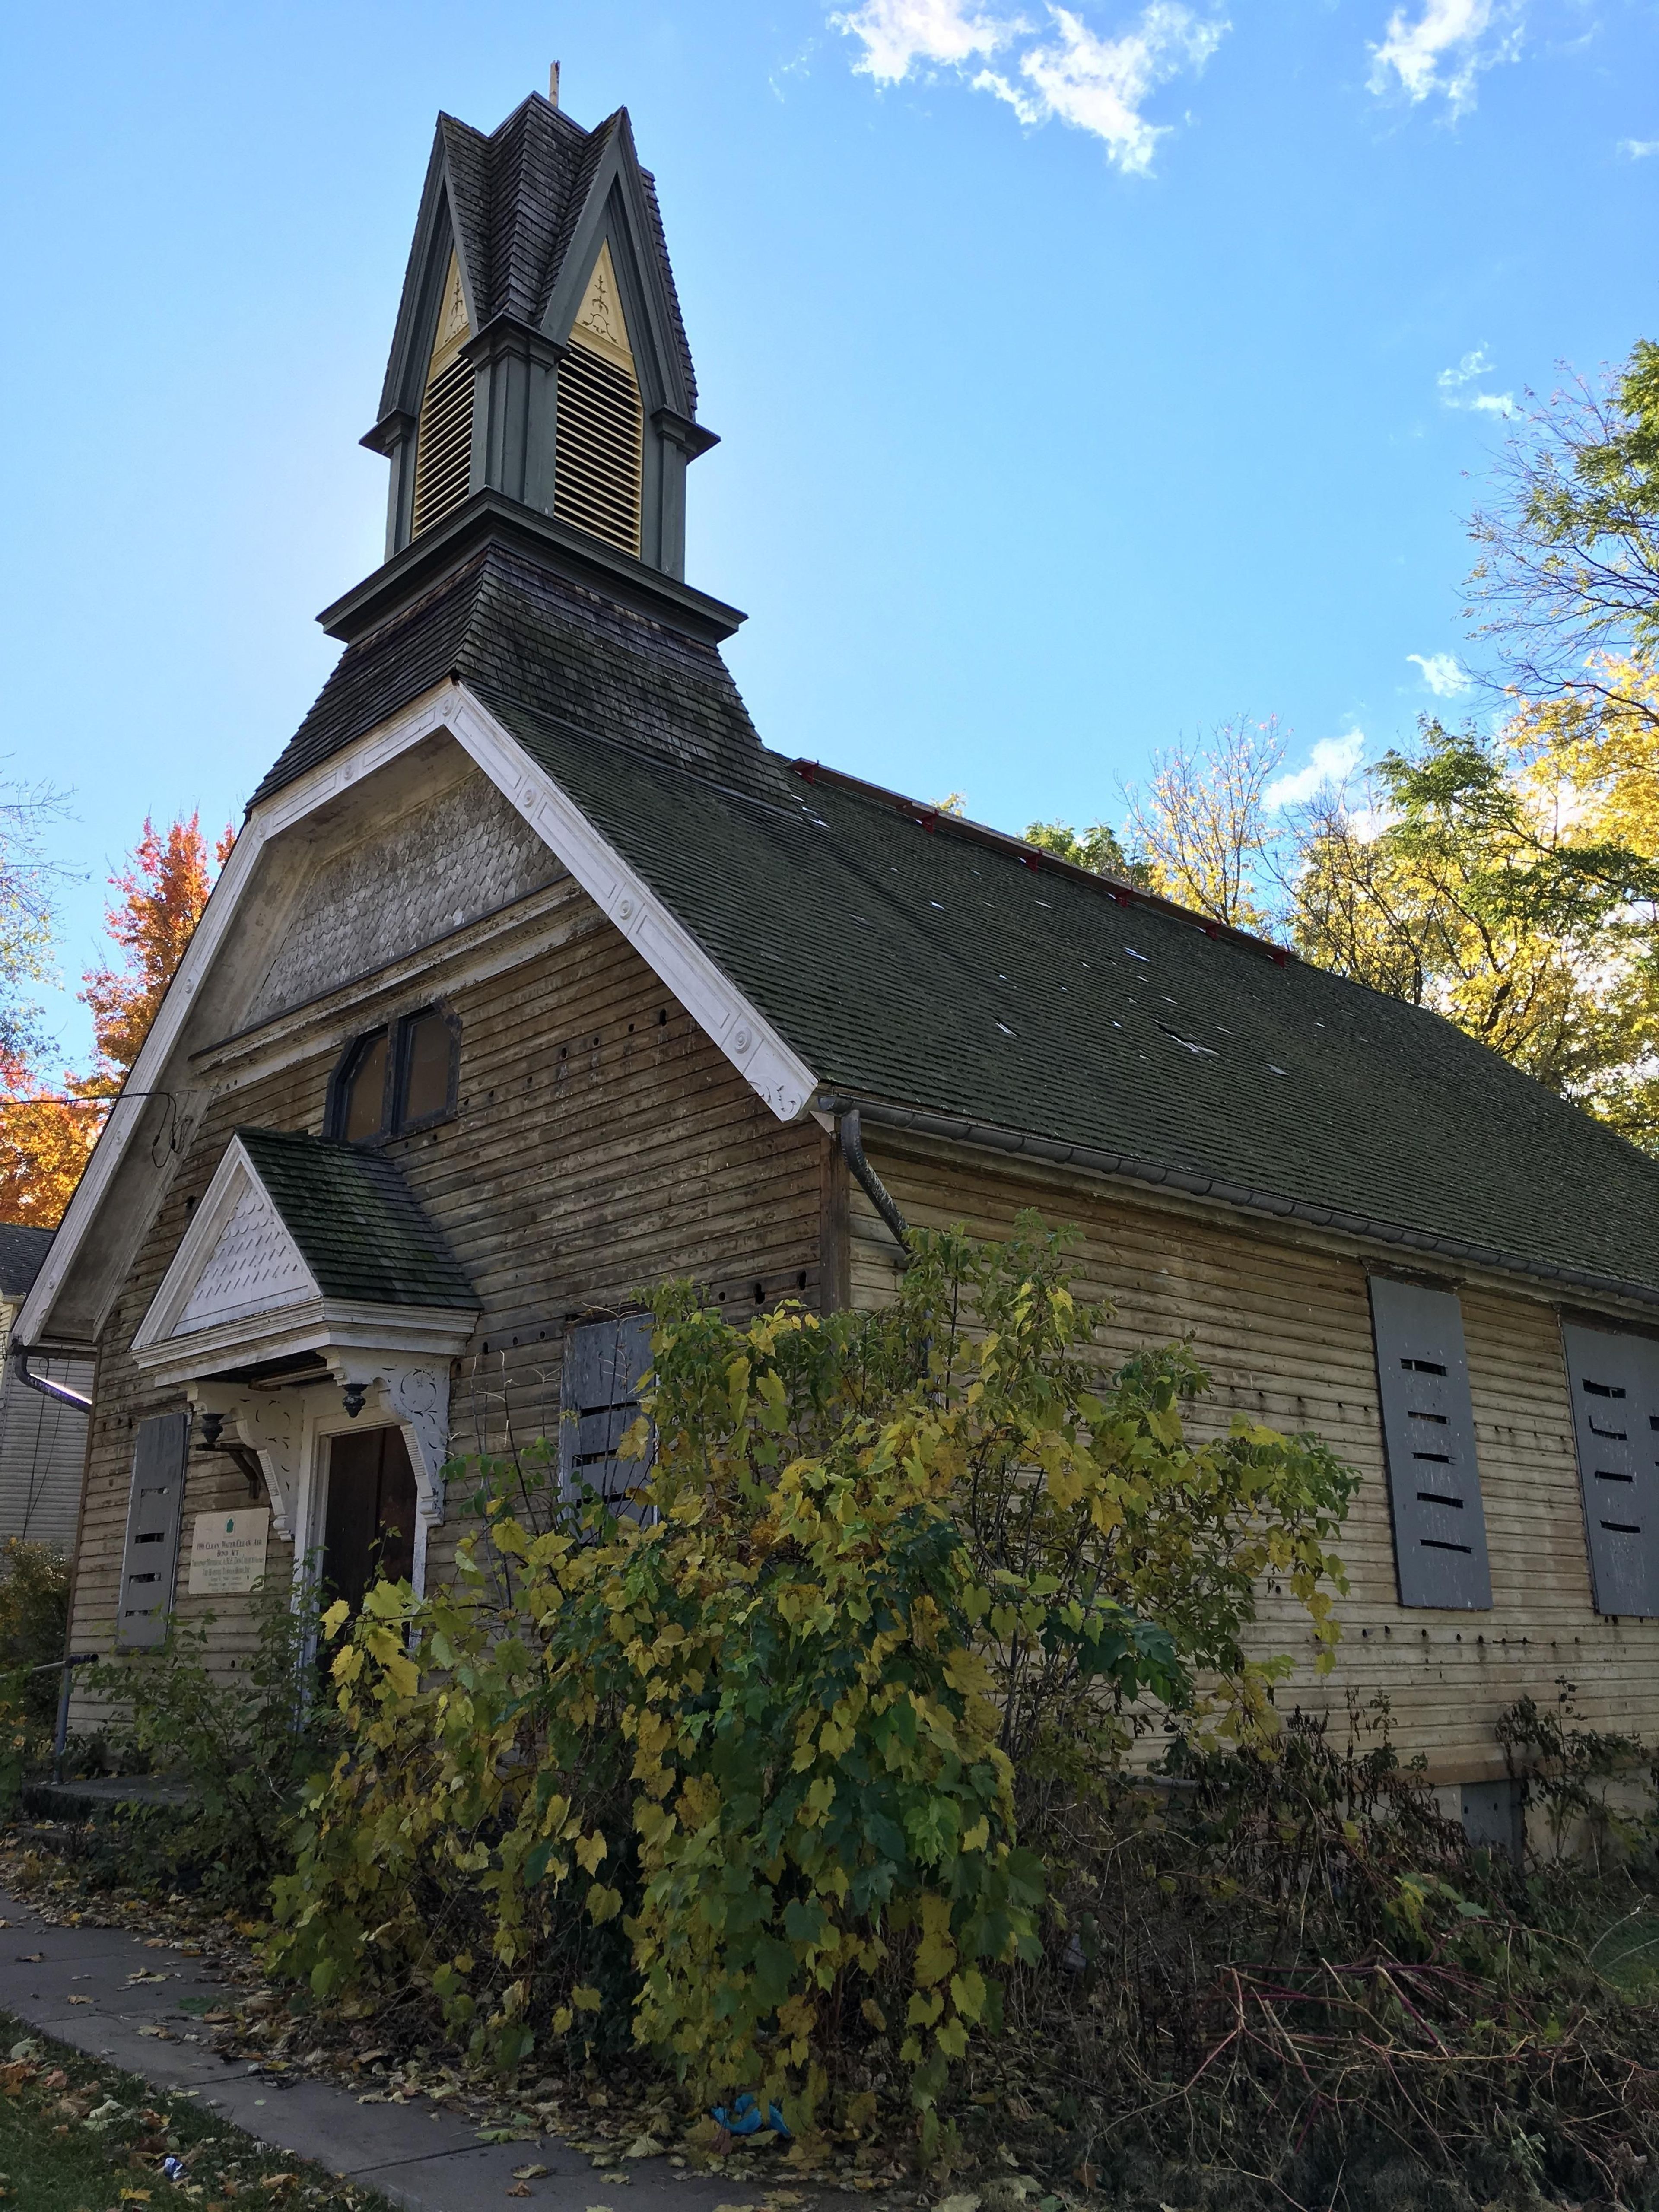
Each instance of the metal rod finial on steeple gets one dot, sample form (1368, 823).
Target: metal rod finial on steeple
(553, 82)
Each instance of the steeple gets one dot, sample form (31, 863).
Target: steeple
(539, 351)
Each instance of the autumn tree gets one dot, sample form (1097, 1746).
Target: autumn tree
(160, 898)
(44, 1142)
(1474, 875)
(1566, 587)
(1208, 838)
(48, 1129)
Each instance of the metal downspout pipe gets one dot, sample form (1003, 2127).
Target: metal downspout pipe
(21, 1356)
(851, 1151)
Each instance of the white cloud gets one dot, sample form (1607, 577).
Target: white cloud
(1332, 761)
(1471, 365)
(1450, 382)
(1442, 672)
(1638, 149)
(899, 34)
(1069, 74)
(1099, 84)
(1445, 49)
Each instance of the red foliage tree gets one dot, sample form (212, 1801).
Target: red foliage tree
(160, 902)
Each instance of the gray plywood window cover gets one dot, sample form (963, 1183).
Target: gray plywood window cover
(151, 1560)
(604, 1363)
(1614, 1381)
(1428, 1432)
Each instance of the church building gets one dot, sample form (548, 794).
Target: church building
(534, 978)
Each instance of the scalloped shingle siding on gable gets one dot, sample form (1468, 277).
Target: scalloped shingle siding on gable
(461, 855)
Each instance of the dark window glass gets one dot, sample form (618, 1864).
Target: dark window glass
(426, 1052)
(365, 1098)
(369, 1524)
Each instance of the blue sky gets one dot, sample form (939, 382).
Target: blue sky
(1084, 374)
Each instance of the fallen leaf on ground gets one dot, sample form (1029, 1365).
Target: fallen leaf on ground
(522, 2189)
(965, 2200)
(643, 2147)
(528, 2173)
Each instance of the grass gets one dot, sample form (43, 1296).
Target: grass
(77, 2136)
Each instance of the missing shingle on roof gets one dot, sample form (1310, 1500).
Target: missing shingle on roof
(1133, 955)
(1191, 1044)
(1277, 1070)
(1003, 1027)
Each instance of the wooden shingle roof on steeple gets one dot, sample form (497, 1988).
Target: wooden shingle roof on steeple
(516, 196)
(523, 214)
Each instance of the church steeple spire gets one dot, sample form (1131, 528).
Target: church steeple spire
(539, 350)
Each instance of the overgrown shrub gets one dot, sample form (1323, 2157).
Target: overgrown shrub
(734, 1772)
(243, 1739)
(1287, 1979)
(34, 1625)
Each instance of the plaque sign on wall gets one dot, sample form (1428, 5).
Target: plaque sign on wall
(228, 1552)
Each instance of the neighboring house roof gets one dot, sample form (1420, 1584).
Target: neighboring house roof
(938, 968)
(358, 1226)
(22, 1251)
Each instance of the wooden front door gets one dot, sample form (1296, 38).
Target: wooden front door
(368, 1529)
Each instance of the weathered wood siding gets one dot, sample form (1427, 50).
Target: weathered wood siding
(1282, 1323)
(601, 1143)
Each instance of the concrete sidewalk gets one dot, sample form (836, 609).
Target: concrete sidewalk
(81, 1985)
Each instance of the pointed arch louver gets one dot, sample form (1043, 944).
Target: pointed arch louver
(443, 449)
(599, 451)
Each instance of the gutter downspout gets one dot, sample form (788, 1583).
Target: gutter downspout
(851, 1151)
(21, 1356)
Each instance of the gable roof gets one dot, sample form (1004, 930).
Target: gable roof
(914, 961)
(357, 1223)
(516, 198)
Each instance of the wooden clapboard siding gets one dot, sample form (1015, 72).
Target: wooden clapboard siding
(597, 1148)
(1281, 1320)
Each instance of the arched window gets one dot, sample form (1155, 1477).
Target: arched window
(362, 1109)
(394, 1080)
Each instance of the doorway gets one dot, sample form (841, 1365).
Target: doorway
(368, 1526)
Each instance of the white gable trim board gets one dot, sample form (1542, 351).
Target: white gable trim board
(754, 1047)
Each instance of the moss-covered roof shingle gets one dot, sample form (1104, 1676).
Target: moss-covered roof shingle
(359, 1227)
(937, 970)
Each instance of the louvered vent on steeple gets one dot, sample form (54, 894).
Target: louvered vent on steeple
(597, 455)
(443, 450)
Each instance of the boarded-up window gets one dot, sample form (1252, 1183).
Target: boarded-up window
(152, 1553)
(604, 1362)
(1428, 1430)
(1614, 1381)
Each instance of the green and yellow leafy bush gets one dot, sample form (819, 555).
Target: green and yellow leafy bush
(733, 1769)
(33, 1624)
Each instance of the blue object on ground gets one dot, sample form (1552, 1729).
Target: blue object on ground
(745, 2118)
